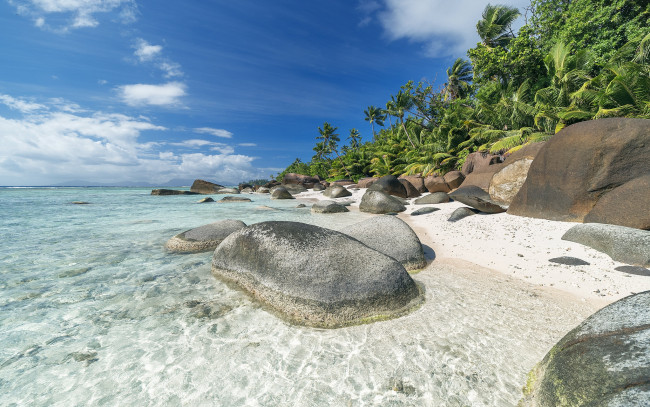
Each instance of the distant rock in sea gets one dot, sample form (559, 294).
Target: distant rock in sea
(205, 187)
(172, 192)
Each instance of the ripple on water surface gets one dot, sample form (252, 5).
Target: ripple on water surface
(95, 312)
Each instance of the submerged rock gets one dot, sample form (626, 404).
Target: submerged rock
(205, 200)
(227, 199)
(204, 238)
(391, 236)
(315, 276)
(605, 361)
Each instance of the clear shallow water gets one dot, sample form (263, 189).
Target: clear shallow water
(93, 311)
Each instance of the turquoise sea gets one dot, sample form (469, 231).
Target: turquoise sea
(94, 312)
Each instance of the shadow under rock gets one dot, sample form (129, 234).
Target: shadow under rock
(638, 270)
(429, 253)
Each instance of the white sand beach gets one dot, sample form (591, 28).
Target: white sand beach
(516, 247)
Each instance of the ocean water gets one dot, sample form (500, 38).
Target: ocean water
(94, 312)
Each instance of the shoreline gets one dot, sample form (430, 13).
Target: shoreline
(515, 247)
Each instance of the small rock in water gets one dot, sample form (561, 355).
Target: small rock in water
(80, 203)
(569, 261)
(301, 206)
(638, 270)
(205, 200)
(88, 357)
(397, 385)
(227, 199)
(74, 272)
(423, 211)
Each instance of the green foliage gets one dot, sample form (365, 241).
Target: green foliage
(576, 60)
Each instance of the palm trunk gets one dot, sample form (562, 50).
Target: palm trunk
(407, 133)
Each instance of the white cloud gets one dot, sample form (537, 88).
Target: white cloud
(247, 145)
(20, 105)
(214, 132)
(145, 51)
(170, 69)
(445, 28)
(168, 94)
(81, 13)
(49, 145)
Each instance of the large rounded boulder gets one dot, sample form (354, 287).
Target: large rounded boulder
(336, 191)
(379, 202)
(390, 185)
(476, 198)
(627, 245)
(203, 238)
(605, 361)
(391, 236)
(582, 164)
(280, 193)
(315, 276)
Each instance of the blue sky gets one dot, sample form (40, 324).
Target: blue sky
(113, 91)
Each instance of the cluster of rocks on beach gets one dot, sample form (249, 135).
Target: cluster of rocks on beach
(596, 174)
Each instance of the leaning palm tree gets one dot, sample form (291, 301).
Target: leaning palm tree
(400, 104)
(374, 115)
(459, 77)
(494, 28)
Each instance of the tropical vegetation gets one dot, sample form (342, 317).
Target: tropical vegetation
(573, 60)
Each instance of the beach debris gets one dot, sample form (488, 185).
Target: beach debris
(380, 202)
(391, 236)
(203, 238)
(602, 362)
(476, 198)
(328, 206)
(343, 282)
(434, 198)
(569, 261)
(281, 193)
(575, 172)
(461, 213)
(424, 211)
(627, 245)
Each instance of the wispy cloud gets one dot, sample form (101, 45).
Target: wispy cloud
(214, 132)
(48, 145)
(145, 51)
(247, 145)
(20, 104)
(79, 13)
(444, 28)
(168, 94)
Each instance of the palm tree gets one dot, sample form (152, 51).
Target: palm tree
(354, 138)
(374, 115)
(330, 143)
(494, 28)
(400, 104)
(459, 77)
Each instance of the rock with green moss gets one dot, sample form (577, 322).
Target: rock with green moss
(315, 276)
(605, 361)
